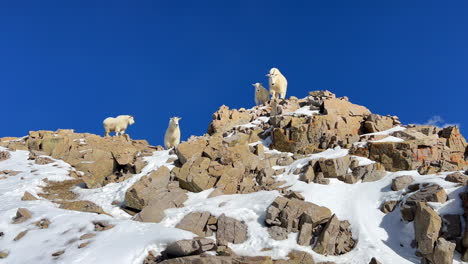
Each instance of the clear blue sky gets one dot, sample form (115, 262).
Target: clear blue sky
(70, 64)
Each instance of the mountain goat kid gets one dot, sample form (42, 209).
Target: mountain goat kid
(172, 136)
(118, 124)
(261, 94)
(278, 83)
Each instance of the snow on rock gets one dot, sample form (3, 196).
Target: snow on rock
(388, 139)
(303, 111)
(385, 132)
(127, 242)
(111, 192)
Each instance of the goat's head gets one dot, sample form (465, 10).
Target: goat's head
(274, 73)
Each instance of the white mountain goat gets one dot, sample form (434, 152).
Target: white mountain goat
(117, 124)
(261, 94)
(172, 136)
(278, 83)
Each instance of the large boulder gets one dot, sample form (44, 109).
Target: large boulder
(4, 155)
(443, 252)
(457, 177)
(140, 193)
(367, 173)
(427, 193)
(310, 220)
(333, 168)
(427, 224)
(401, 182)
(160, 201)
(230, 230)
(292, 213)
(189, 247)
(335, 239)
(195, 222)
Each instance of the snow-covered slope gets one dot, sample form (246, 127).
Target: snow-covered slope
(385, 236)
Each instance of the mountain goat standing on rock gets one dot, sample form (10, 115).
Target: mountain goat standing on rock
(118, 124)
(278, 83)
(261, 94)
(172, 136)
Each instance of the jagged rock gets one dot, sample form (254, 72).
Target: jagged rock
(400, 182)
(374, 261)
(333, 168)
(285, 161)
(100, 226)
(294, 195)
(84, 244)
(4, 254)
(366, 173)
(334, 106)
(375, 123)
(95, 156)
(43, 223)
(443, 252)
(278, 233)
(195, 222)
(428, 193)
(190, 149)
(227, 168)
(140, 193)
(87, 236)
(82, 206)
(43, 160)
(27, 196)
(455, 141)
(225, 119)
(188, 247)
(4, 155)
(193, 175)
(140, 164)
(308, 175)
(305, 235)
(427, 224)
(292, 213)
(297, 257)
(224, 251)
(452, 227)
(388, 206)
(335, 239)
(22, 214)
(428, 153)
(230, 230)
(209, 259)
(20, 235)
(162, 200)
(457, 177)
(338, 125)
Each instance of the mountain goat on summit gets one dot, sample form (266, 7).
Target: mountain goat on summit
(261, 94)
(172, 136)
(278, 83)
(117, 124)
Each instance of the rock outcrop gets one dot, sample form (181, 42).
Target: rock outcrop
(97, 157)
(426, 193)
(425, 149)
(315, 225)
